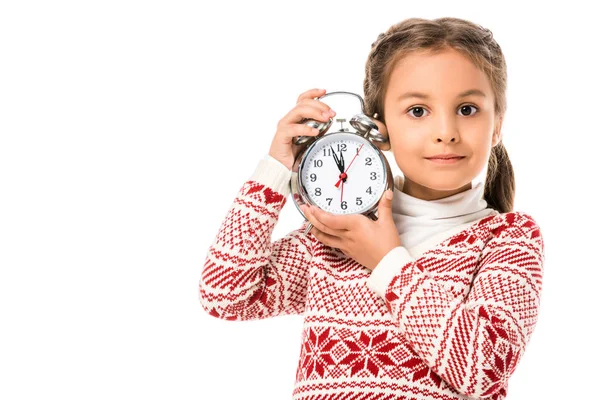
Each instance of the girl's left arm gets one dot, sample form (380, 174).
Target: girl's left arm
(472, 343)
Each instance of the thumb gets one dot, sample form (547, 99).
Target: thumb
(384, 208)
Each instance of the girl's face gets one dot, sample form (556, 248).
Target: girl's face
(426, 114)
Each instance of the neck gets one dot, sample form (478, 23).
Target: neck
(423, 192)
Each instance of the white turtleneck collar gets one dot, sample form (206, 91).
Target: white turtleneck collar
(418, 220)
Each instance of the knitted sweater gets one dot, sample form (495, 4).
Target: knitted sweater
(447, 319)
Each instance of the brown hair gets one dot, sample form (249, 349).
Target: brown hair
(473, 41)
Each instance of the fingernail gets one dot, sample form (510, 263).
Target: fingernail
(389, 194)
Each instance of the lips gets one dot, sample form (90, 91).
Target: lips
(445, 160)
(447, 156)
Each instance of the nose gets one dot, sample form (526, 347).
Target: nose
(447, 131)
(443, 139)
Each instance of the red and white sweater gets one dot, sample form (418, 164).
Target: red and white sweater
(447, 319)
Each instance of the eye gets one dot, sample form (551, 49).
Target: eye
(419, 110)
(466, 106)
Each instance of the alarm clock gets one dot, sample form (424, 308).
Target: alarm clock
(343, 171)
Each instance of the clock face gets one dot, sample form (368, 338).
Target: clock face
(324, 183)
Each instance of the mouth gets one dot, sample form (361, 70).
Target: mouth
(445, 160)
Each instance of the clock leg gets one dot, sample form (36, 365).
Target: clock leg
(308, 228)
(372, 215)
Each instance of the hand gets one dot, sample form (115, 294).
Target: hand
(283, 148)
(357, 236)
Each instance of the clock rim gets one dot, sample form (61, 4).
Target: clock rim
(298, 190)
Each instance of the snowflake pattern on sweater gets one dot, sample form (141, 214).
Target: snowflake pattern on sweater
(450, 324)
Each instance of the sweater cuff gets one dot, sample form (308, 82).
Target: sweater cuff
(389, 266)
(273, 174)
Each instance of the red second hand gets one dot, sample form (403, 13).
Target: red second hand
(344, 175)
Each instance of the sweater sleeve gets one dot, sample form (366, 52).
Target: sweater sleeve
(472, 343)
(245, 276)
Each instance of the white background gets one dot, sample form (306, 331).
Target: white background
(127, 129)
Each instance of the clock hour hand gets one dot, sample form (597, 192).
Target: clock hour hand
(343, 176)
(337, 160)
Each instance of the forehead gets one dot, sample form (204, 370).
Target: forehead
(438, 74)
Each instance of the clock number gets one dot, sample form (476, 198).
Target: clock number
(317, 191)
(358, 201)
(341, 146)
(344, 206)
(373, 176)
(313, 177)
(368, 161)
(369, 190)
(318, 163)
(329, 199)
(326, 152)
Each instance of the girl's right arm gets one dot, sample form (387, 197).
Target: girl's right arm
(245, 276)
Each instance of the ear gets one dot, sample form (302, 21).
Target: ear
(383, 130)
(497, 136)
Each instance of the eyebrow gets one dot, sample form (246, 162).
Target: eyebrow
(407, 95)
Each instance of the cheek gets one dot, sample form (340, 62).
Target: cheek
(480, 157)
(478, 147)
(479, 142)
(407, 155)
(407, 137)
(407, 144)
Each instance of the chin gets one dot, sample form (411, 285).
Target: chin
(445, 187)
(445, 183)
(444, 179)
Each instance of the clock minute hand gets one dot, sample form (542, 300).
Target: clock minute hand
(337, 160)
(344, 175)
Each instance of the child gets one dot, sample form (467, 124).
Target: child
(437, 298)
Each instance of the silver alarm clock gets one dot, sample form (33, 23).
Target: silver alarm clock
(344, 171)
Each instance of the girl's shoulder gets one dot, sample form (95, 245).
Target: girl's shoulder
(514, 225)
(518, 219)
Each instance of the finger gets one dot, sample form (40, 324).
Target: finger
(384, 208)
(299, 130)
(329, 240)
(338, 224)
(311, 94)
(327, 111)
(386, 145)
(308, 111)
(310, 215)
